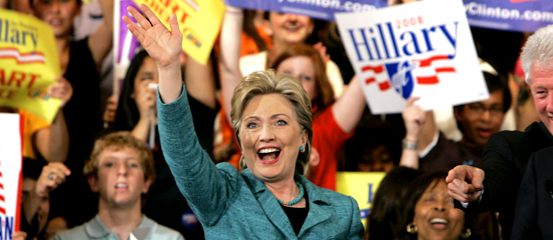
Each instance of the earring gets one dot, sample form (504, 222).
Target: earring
(466, 233)
(302, 149)
(412, 229)
(242, 153)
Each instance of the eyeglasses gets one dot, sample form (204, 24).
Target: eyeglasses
(479, 109)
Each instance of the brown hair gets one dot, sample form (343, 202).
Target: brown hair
(266, 82)
(117, 141)
(324, 95)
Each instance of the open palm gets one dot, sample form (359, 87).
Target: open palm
(162, 45)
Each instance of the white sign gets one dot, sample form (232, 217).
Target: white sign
(10, 173)
(418, 49)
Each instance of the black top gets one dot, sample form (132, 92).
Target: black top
(296, 216)
(504, 162)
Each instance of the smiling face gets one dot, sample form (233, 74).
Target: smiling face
(121, 179)
(58, 13)
(482, 119)
(303, 69)
(287, 28)
(271, 137)
(541, 85)
(435, 215)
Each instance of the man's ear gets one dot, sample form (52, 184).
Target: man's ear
(93, 183)
(457, 114)
(147, 185)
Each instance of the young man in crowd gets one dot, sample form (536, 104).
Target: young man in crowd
(427, 148)
(120, 170)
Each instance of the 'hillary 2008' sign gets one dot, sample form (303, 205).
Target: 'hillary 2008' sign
(420, 49)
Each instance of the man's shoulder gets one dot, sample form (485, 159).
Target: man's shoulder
(163, 233)
(77, 232)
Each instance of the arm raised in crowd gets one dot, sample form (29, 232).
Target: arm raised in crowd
(100, 42)
(348, 109)
(420, 130)
(229, 63)
(200, 82)
(50, 178)
(53, 142)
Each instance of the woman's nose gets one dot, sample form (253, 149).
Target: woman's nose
(267, 134)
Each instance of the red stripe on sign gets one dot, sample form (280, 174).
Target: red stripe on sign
(2, 198)
(384, 86)
(377, 69)
(370, 80)
(1, 186)
(427, 80)
(0, 174)
(428, 61)
(2, 210)
(445, 69)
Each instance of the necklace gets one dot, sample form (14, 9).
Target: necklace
(296, 200)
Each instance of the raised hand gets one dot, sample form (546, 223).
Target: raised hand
(51, 177)
(465, 183)
(162, 45)
(414, 117)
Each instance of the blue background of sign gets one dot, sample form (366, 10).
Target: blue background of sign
(510, 15)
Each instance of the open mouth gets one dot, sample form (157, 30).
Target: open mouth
(438, 223)
(268, 154)
(484, 132)
(121, 186)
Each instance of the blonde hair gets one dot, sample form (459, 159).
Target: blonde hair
(266, 82)
(538, 49)
(117, 141)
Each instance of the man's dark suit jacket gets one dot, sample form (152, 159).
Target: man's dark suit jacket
(534, 210)
(504, 163)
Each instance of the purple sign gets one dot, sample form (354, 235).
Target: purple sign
(320, 9)
(127, 42)
(510, 15)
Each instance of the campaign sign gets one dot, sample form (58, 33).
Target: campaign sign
(420, 49)
(28, 64)
(199, 22)
(512, 15)
(320, 9)
(362, 187)
(124, 43)
(10, 173)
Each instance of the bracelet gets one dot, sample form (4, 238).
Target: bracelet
(408, 144)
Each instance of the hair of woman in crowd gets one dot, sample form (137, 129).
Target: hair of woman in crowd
(386, 205)
(426, 206)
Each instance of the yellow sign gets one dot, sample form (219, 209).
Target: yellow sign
(28, 64)
(361, 186)
(199, 22)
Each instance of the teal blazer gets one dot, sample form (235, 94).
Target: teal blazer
(236, 205)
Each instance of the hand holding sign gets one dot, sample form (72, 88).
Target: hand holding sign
(61, 90)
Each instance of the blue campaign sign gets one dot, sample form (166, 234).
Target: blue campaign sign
(320, 9)
(510, 15)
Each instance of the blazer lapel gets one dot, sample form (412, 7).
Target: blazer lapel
(317, 213)
(270, 206)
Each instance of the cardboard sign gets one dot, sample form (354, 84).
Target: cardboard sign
(28, 64)
(124, 43)
(11, 159)
(419, 49)
(361, 186)
(199, 22)
(320, 9)
(512, 15)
